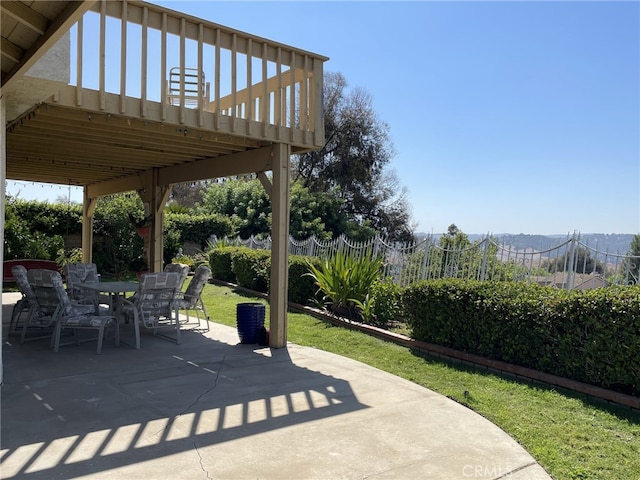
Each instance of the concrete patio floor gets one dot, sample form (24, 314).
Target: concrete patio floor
(211, 408)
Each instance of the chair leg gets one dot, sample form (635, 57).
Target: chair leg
(206, 316)
(178, 337)
(100, 339)
(56, 337)
(24, 331)
(116, 326)
(15, 315)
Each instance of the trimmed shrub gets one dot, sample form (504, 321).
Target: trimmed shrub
(198, 228)
(302, 288)
(591, 336)
(595, 337)
(252, 268)
(220, 261)
(385, 297)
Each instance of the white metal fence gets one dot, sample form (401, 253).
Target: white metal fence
(572, 264)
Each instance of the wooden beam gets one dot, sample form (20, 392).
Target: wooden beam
(256, 160)
(266, 184)
(65, 20)
(126, 184)
(11, 50)
(25, 15)
(242, 163)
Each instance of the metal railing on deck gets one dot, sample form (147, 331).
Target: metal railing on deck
(144, 53)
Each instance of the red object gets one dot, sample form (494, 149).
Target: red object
(143, 231)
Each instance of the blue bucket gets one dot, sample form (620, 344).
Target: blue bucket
(249, 319)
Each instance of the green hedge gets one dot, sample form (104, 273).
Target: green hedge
(237, 264)
(220, 263)
(36, 229)
(302, 288)
(591, 336)
(252, 268)
(198, 228)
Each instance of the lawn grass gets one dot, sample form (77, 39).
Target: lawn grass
(571, 436)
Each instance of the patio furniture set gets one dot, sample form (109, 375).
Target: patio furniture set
(51, 305)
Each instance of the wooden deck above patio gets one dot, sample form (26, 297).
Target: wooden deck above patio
(153, 89)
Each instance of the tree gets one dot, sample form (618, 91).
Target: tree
(117, 246)
(454, 238)
(632, 265)
(353, 162)
(315, 214)
(248, 206)
(27, 231)
(188, 194)
(245, 202)
(583, 262)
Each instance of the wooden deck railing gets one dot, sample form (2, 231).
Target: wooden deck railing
(123, 54)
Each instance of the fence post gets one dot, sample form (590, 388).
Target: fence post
(425, 262)
(483, 268)
(571, 263)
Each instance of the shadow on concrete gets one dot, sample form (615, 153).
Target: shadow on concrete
(74, 413)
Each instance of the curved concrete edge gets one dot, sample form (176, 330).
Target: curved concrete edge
(409, 431)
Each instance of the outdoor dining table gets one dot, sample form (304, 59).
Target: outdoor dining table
(117, 291)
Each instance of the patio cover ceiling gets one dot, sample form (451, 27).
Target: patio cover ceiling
(64, 145)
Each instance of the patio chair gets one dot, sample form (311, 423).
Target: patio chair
(180, 268)
(27, 304)
(187, 80)
(75, 273)
(59, 311)
(154, 306)
(191, 299)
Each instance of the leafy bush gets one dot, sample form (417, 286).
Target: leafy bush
(595, 337)
(301, 286)
(117, 248)
(220, 261)
(198, 228)
(385, 298)
(252, 268)
(185, 260)
(171, 243)
(34, 229)
(66, 257)
(591, 336)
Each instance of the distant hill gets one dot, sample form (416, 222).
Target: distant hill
(603, 242)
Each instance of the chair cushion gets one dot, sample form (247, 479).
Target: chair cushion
(88, 321)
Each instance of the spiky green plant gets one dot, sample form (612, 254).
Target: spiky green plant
(345, 279)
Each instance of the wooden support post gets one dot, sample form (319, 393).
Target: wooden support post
(279, 246)
(154, 197)
(3, 178)
(88, 207)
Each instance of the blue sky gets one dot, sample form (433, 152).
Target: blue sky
(518, 117)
